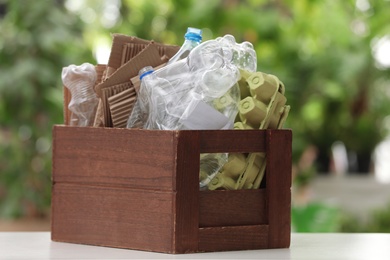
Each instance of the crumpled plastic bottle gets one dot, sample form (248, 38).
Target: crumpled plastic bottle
(242, 54)
(80, 81)
(191, 86)
(199, 92)
(193, 38)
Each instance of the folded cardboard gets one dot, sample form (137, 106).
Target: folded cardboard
(121, 106)
(120, 45)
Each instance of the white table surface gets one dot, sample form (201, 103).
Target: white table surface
(37, 245)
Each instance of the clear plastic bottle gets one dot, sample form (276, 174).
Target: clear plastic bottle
(242, 54)
(141, 114)
(197, 92)
(80, 81)
(193, 38)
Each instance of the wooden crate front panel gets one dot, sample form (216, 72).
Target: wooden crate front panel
(120, 157)
(231, 141)
(111, 216)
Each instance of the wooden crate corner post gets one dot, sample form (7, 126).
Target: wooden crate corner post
(278, 187)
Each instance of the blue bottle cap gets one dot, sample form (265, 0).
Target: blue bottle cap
(145, 72)
(193, 34)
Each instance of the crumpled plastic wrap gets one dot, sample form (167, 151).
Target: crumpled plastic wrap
(80, 81)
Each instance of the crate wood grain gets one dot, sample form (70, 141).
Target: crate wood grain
(139, 189)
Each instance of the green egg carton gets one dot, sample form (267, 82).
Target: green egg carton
(262, 106)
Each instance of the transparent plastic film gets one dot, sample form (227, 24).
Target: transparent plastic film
(80, 81)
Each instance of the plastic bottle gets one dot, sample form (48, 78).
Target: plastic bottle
(193, 38)
(196, 92)
(80, 81)
(141, 114)
(242, 54)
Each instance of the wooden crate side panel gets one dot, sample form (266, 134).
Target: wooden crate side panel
(115, 217)
(232, 208)
(186, 215)
(278, 188)
(232, 141)
(213, 239)
(121, 157)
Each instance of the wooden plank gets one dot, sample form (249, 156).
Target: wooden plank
(67, 98)
(115, 217)
(232, 141)
(232, 208)
(233, 238)
(278, 188)
(187, 197)
(112, 156)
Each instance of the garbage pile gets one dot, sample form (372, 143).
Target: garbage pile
(210, 85)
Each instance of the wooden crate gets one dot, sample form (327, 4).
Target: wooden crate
(139, 189)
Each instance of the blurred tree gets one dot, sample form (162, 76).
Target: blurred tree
(37, 39)
(321, 50)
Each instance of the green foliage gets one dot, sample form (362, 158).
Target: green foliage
(315, 217)
(321, 50)
(34, 46)
(378, 222)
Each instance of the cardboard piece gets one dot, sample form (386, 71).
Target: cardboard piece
(149, 56)
(100, 71)
(125, 46)
(121, 106)
(109, 92)
(128, 55)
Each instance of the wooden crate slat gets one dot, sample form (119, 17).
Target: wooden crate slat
(232, 208)
(109, 156)
(232, 141)
(233, 238)
(111, 216)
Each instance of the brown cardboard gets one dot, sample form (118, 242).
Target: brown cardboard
(99, 115)
(121, 106)
(109, 92)
(128, 55)
(149, 56)
(120, 43)
(130, 50)
(100, 70)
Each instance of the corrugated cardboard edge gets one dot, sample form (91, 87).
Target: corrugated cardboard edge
(147, 57)
(119, 40)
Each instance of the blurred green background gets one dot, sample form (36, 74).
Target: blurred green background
(333, 57)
